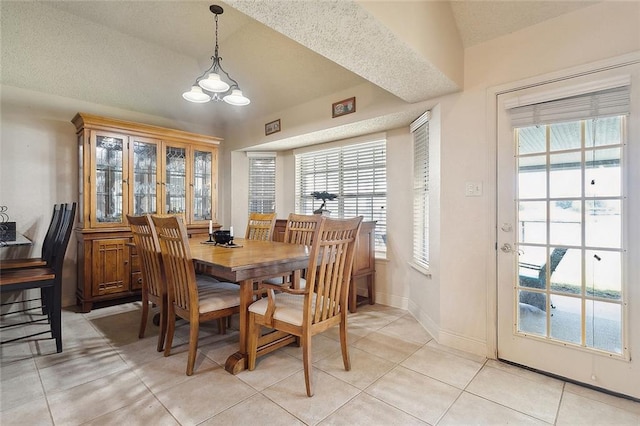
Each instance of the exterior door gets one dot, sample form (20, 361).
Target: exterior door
(568, 237)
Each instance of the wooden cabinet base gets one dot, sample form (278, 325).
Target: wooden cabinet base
(108, 267)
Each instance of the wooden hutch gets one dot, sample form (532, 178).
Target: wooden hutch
(130, 168)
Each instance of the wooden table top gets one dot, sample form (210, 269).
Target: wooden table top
(253, 260)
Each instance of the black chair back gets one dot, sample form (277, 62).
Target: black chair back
(50, 237)
(62, 238)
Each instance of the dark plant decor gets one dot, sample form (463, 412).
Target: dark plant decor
(324, 196)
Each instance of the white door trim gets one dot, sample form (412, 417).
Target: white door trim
(491, 104)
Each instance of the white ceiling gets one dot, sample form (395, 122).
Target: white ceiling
(141, 55)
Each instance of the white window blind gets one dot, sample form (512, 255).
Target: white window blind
(262, 183)
(604, 103)
(356, 173)
(420, 130)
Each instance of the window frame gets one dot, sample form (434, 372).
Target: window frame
(329, 168)
(261, 185)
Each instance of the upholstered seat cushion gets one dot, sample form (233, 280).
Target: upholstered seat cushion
(216, 295)
(289, 307)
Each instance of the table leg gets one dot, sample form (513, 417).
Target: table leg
(238, 361)
(267, 343)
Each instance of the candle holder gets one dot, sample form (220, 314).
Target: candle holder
(210, 238)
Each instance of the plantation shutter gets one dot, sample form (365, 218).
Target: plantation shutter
(420, 130)
(262, 182)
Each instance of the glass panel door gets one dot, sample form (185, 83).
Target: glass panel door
(145, 177)
(109, 179)
(570, 226)
(176, 180)
(202, 180)
(567, 246)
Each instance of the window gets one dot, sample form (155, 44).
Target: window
(262, 182)
(356, 173)
(571, 213)
(420, 130)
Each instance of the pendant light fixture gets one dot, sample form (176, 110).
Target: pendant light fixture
(210, 86)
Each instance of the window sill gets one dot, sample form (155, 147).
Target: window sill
(424, 271)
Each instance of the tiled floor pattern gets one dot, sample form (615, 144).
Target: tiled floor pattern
(399, 376)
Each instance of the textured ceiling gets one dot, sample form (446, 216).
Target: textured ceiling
(141, 55)
(480, 21)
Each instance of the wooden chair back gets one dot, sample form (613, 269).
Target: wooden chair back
(148, 248)
(329, 271)
(300, 228)
(260, 226)
(182, 289)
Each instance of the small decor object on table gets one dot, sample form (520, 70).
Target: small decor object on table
(324, 196)
(346, 106)
(272, 127)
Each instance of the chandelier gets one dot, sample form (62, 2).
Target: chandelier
(209, 86)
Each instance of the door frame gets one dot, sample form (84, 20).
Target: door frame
(491, 105)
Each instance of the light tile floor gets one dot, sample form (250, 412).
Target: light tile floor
(399, 375)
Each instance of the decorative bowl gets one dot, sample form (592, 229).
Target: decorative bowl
(222, 237)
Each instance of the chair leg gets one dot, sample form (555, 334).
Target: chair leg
(252, 344)
(144, 317)
(163, 325)
(343, 345)
(194, 328)
(55, 307)
(222, 325)
(43, 302)
(306, 360)
(171, 328)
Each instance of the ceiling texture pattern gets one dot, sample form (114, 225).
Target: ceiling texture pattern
(142, 55)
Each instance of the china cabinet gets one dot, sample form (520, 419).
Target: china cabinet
(130, 168)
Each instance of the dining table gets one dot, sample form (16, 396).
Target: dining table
(247, 262)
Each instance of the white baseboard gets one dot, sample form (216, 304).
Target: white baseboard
(392, 300)
(448, 338)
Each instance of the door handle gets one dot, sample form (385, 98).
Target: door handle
(506, 248)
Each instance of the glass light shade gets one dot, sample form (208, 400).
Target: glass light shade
(196, 95)
(213, 83)
(236, 98)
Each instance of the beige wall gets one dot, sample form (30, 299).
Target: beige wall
(38, 162)
(453, 302)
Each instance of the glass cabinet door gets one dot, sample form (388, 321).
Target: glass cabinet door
(109, 179)
(202, 180)
(145, 177)
(176, 180)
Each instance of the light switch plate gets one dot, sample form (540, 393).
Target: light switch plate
(473, 189)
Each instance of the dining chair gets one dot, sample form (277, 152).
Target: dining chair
(46, 278)
(46, 254)
(47, 245)
(319, 306)
(260, 226)
(299, 229)
(154, 288)
(193, 299)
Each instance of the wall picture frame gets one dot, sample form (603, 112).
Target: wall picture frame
(272, 127)
(346, 106)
